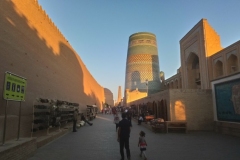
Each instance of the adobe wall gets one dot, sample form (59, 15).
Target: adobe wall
(134, 95)
(194, 106)
(151, 98)
(31, 46)
(157, 97)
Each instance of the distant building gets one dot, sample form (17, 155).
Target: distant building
(119, 100)
(108, 97)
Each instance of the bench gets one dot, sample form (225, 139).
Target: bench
(176, 125)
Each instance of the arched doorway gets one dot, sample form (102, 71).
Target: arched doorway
(162, 110)
(193, 72)
(150, 108)
(155, 109)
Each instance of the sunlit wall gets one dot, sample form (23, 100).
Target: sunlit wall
(33, 47)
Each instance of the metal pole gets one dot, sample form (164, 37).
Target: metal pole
(147, 86)
(19, 120)
(5, 123)
(32, 120)
(147, 89)
(138, 110)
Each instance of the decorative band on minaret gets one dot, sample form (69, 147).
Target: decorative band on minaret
(142, 66)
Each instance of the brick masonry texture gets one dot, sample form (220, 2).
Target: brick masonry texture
(142, 63)
(194, 106)
(197, 105)
(18, 150)
(32, 46)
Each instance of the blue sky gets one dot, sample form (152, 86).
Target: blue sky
(98, 30)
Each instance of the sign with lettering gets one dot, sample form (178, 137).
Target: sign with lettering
(14, 87)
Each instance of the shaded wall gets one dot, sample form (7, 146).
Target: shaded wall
(31, 46)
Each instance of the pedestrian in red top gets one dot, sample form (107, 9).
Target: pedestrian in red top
(142, 144)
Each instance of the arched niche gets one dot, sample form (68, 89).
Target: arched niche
(171, 85)
(232, 64)
(176, 84)
(218, 69)
(193, 71)
(180, 83)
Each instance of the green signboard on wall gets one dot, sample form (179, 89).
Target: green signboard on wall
(14, 87)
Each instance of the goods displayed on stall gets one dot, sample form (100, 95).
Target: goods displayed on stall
(149, 118)
(92, 111)
(49, 113)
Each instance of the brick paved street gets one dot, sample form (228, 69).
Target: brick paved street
(100, 142)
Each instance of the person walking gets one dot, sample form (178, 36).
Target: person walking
(140, 119)
(75, 115)
(124, 129)
(85, 120)
(129, 116)
(142, 144)
(116, 120)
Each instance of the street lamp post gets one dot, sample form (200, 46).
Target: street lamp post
(147, 86)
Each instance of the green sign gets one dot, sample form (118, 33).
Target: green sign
(14, 87)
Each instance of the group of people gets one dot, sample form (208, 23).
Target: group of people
(123, 129)
(75, 118)
(107, 111)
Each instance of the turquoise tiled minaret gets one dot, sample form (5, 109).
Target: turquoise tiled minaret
(142, 64)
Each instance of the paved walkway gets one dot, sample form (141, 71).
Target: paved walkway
(99, 142)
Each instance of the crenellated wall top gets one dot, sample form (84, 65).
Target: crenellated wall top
(48, 18)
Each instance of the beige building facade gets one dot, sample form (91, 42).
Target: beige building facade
(207, 74)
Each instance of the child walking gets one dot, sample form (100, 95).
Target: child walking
(142, 144)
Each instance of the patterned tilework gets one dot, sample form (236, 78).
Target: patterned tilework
(142, 49)
(142, 63)
(143, 42)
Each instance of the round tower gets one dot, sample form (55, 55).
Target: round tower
(142, 66)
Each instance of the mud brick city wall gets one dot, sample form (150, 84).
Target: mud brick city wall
(194, 106)
(33, 47)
